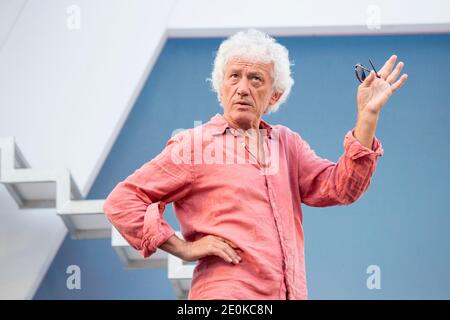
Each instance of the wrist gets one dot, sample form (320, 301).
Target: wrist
(182, 250)
(365, 128)
(368, 116)
(175, 246)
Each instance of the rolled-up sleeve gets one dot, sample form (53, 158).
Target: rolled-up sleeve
(135, 206)
(325, 183)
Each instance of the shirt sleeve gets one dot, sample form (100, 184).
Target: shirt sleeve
(324, 183)
(135, 206)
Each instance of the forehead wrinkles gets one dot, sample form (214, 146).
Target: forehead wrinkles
(252, 65)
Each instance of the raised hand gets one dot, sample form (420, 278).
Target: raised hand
(374, 92)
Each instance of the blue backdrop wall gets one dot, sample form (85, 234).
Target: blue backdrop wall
(401, 224)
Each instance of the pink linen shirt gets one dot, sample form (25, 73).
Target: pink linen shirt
(216, 189)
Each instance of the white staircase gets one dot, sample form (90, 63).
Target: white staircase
(84, 219)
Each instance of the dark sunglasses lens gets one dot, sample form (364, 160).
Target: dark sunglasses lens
(360, 74)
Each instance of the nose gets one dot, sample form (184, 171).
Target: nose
(243, 88)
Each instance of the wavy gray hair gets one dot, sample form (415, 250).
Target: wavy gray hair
(258, 46)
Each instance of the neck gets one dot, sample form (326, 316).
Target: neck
(243, 126)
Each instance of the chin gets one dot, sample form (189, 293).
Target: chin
(243, 117)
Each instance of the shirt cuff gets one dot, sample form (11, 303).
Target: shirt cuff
(156, 229)
(354, 149)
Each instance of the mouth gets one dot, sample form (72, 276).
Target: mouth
(243, 105)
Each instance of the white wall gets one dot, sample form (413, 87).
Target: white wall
(29, 240)
(64, 94)
(306, 17)
(9, 12)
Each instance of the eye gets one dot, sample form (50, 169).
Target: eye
(257, 78)
(234, 75)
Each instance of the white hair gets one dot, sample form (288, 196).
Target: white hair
(260, 47)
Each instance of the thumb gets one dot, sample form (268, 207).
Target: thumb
(368, 81)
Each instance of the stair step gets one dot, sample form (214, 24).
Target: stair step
(84, 219)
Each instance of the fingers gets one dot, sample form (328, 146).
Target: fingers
(235, 258)
(222, 254)
(387, 68)
(391, 78)
(224, 251)
(397, 85)
(368, 81)
(230, 243)
(388, 75)
(214, 245)
(227, 250)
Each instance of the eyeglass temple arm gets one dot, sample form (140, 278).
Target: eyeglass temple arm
(373, 67)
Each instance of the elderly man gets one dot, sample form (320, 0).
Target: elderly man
(237, 182)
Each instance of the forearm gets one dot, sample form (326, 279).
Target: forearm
(365, 128)
(136, 217)
(324, 183)
(174, 246)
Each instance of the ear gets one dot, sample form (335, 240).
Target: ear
(276, 95)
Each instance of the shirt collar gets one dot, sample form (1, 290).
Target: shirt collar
(221, 125)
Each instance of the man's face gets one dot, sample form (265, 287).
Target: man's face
(247, 91)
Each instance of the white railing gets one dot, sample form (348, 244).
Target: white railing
(84, 219)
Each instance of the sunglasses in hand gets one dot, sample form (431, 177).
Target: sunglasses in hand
(360, 71)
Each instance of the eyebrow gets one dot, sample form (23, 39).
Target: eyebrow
(256, 73)
(251, 73)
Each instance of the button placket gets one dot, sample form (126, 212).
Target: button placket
(280, 234)
(278, 224)
(255, 157)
